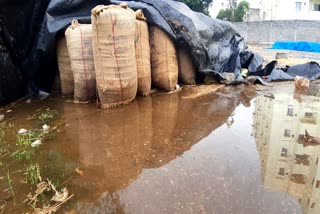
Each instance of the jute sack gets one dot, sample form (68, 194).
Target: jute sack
(187, 73)
(65, 72)
(164, 63)
(113, 32)
(79, 42)
(142, 54)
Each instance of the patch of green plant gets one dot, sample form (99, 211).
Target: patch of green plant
(22, 154)
(27, 138)
(32, 174)
(44, 117)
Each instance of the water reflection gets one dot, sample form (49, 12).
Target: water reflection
(287, 163)
(150, 150)
(115, 146)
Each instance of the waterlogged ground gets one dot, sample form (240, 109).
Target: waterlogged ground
(234, 150)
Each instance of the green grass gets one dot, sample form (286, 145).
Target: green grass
(24, 151)
(22, 154)
(10, 182)
(44, 117)
(32, 174)
(29, 137)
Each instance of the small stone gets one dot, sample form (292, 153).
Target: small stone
(270, 95)
(22, 131)
(2, 117)
(36, 143)
(281, 55)
(45, 127)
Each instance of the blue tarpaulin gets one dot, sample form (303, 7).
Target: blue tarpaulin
(297, 46)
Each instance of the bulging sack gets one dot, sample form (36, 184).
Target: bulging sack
(79, 42)
(187, 73)
(65, 71)
(164, 63)
(142, 54)
(113, 32)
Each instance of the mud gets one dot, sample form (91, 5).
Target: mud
(196, 151)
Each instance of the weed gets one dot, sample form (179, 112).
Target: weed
(3, 126)
(44, 117)
(10, 182)
(22, 154)
(32, 174)
(27, 138)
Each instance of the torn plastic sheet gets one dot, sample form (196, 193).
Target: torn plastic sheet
(310, 70)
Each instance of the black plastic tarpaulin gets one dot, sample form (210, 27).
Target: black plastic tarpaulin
(33, 27)
(310, 70)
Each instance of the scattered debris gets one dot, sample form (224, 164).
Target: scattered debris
(310, 139)
(301, 83)
(251, 80)
(45, 128)
(270, 95)
(79, 171)
(60, 196)
(51, 209)
(229, 78)
(36, 143)
(281, 55)
(41, 188)
(22, 131)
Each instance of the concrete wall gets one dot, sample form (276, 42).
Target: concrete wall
(271, 31)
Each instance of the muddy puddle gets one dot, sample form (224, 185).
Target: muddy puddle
(229, 151)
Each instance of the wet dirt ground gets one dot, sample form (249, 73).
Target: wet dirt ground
(231, 150)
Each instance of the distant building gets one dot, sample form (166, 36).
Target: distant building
(261, 10)
(286, 165)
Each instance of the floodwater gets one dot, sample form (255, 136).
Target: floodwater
(229, 151)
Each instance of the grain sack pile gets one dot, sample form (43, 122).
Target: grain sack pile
(164, 63)
(142, 54)
(187, 73)
(66, 75)
(113, 32)
(214, 46)
(79, 42)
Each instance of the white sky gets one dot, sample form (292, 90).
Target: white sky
(217, 5)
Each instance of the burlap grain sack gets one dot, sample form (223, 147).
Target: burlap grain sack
(142, 54)
(79, 42)
(113, 32)
(164, 63)
(187, 73)
(65, 72)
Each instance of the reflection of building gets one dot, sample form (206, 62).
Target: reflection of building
(287, 165)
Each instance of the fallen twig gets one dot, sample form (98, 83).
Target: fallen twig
(52, 209)
(10, 105)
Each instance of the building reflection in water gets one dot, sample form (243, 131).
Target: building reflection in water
(287, 165)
